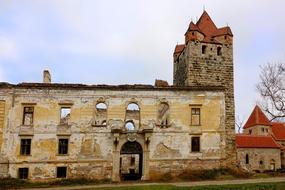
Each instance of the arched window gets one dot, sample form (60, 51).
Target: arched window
(101, 114)
(246, 159)
(101, 106)
(163, 114)
(133, 107)
(130, 126)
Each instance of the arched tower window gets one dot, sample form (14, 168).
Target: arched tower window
(133, 115)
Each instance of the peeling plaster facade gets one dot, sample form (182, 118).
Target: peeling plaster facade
(164, 127)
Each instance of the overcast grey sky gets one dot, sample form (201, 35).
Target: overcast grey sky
(131, 41)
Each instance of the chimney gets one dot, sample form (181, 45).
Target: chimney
(46, 77)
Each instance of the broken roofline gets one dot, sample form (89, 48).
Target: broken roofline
(57, 86)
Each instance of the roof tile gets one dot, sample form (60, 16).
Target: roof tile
(251, 141)
(257, 117)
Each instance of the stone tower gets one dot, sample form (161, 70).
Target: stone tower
(206, 59)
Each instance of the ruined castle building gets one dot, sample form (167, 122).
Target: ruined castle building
(50, 130)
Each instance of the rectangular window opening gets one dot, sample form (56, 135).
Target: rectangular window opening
(28, 115)
(61, 172)
(63, 146)
(23, 173)
(195, 116)
(204, 47)
(64, 115)
(25, 147)
(195, 144)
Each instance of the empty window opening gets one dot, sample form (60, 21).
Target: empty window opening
(101, 106)
(204, 47)
(219, 51)
(195, 116)
(61, 172)
(28, 115)
(130, 126)
(133, 107)
(262, 129)
(23, 173)
(261, 162)
(195, 144)
(193, 33)
(25, 147)
(64, 115)
(225, 37)
(246, 159)
(62, 146)
(250, 131)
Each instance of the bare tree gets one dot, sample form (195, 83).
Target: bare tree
(271, 88)
(239, 124)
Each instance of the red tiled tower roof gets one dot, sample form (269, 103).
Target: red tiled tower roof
(206, 26)
(179, 48)
(251, 141)
(278, 130)
(257, 117)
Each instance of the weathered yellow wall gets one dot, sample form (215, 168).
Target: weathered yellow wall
(91, 147)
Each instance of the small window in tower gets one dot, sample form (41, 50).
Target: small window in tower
(250, 131)
(23, 173)
(246, 159)
(225, 37)
(61, 172)
(204, 47)
(193, 33)
(195, 144)
(219, 51)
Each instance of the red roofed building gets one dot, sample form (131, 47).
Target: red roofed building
(262, 144)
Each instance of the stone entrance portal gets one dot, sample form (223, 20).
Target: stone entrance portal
(131, 161)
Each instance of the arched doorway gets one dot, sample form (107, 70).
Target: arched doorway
(131, 160)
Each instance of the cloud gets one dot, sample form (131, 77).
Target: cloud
(8, 48)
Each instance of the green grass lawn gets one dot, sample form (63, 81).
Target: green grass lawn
(261, 186)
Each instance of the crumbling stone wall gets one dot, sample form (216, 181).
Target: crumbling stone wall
(259, 159)
(91, 147)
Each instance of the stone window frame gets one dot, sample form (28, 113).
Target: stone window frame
(164, 101)
(28, 105)
(196, 136)
(57, 172)
(65, 137)
(99, 101)
(195, 106)
(23, 173)
(30, 145)
(132, 122)
(127, 103)
(65, 105)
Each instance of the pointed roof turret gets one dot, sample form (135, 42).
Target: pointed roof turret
(206, 25)
(257, 117)
(193, 27)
